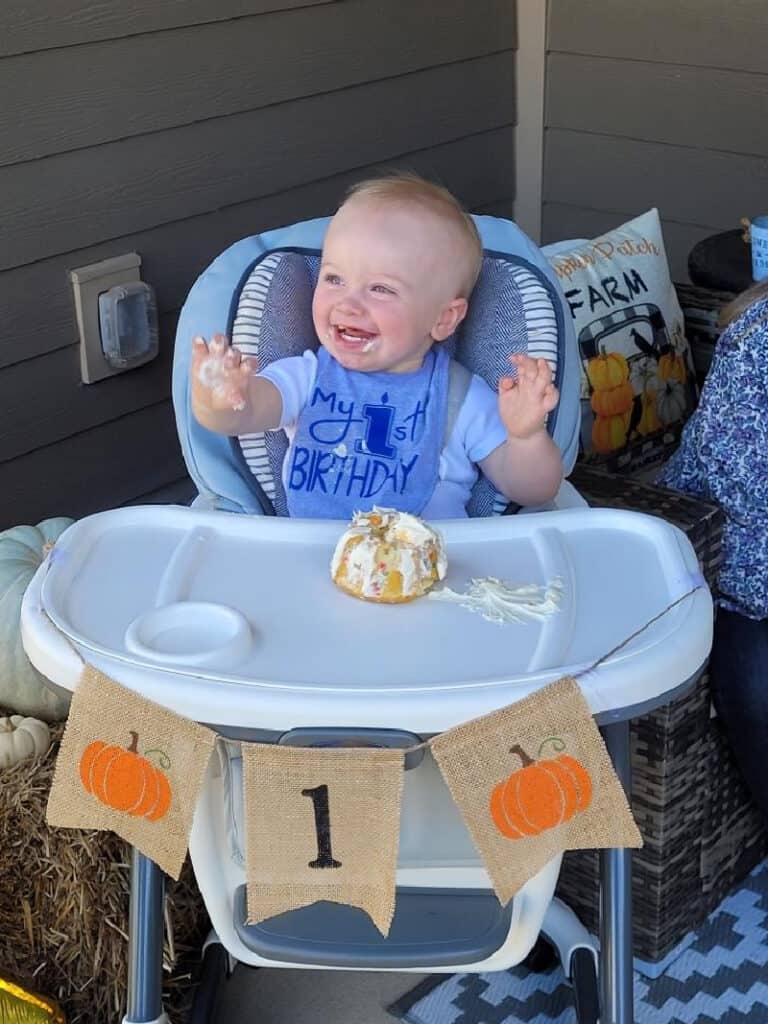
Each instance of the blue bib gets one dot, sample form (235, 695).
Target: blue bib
(368, 439)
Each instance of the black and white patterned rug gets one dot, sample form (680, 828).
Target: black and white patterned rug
(716, 975)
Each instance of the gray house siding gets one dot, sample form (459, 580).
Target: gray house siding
(173, 127)
(658, 103)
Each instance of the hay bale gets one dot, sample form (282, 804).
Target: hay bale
(64, 906)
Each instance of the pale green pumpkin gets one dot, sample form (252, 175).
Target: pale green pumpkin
(22, 687)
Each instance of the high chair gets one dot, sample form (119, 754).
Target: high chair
(447, 917)
(515, 306)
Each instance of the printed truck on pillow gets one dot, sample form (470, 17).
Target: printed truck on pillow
(638, 382)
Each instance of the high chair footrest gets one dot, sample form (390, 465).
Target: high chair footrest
(430, 928)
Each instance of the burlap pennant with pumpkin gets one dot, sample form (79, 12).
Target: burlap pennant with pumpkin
(322, 824)
(131, 766)
(532, 780)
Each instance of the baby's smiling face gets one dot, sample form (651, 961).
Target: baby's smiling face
(388, 286)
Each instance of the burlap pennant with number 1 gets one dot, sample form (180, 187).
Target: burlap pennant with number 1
(131, 766)
(532, 780)
(322, 824)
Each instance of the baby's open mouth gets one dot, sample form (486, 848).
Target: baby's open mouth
(354, 336)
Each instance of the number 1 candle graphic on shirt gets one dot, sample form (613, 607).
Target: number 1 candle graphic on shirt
(378, 430)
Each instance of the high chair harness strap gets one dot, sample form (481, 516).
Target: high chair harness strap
(459, 378)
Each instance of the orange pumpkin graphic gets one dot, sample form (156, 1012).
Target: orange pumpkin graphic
(124, 780)
(540, 795)
(610, 432)
(672, 367)
(607, 370)
(613, 401)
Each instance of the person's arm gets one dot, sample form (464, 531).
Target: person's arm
(527, 468)
(724, 450)
(226, 394)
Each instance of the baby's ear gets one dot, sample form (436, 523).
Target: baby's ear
(449, 319)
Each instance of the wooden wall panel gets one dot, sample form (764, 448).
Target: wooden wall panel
(708, 33)
(690, 186)
(163, 80)
(75, 199)
(659, 102)
(36, 300)
(37, 25)
(94, 470)
(178, 492)
(43, 401)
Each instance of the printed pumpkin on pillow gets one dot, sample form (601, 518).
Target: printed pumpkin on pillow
(638, 382)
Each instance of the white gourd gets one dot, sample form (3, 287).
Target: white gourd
(672, 402)
(22, 687)
(22, 738)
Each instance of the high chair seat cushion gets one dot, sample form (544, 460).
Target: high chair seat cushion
(510, 312)
(274, 321)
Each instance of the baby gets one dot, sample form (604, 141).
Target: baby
(366, 414)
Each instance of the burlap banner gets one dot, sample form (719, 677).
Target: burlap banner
(532, 780)
(322, 824)
(132, 766)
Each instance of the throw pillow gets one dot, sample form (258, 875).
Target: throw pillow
(638, 381)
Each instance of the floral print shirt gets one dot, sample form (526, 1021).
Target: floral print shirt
(723, 456)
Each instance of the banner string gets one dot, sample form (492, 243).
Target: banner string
(603, 657)
(637, 632)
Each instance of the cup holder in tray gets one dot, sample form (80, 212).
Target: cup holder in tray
(195, 634)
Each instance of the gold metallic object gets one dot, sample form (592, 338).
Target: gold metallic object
(19, 1005)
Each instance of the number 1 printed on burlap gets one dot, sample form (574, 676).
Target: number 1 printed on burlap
(131, 766)
(321, 824)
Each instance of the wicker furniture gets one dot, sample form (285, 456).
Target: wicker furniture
(702, 834)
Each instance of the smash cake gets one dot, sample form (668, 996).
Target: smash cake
(388, 556)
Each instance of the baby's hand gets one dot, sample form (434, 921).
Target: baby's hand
(525, 400)
(219, 375)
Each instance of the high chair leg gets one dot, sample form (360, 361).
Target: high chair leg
(616, 902)
(145, 943)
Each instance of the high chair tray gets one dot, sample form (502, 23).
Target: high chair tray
(234, 620)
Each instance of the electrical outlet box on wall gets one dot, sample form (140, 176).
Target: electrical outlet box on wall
(116, 317)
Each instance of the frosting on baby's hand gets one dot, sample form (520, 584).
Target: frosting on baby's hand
(213, 374)
(221, 371)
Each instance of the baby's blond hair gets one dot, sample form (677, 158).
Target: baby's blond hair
(410, 189)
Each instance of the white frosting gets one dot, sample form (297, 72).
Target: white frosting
(498, 602)
(415, 541)
(212, 374)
